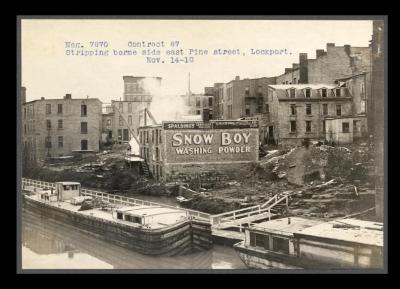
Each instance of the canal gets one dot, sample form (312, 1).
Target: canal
(47, 245)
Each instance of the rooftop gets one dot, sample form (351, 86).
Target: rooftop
(302, 86)
(364, 232)
(283, 227)
(149, 210)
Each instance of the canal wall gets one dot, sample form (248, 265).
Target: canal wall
(181, 238)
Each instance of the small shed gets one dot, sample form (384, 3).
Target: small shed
(67, 190)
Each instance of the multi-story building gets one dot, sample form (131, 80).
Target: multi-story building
(58, 127)
(140, 88)
(123, 117)
(182, 150)
(244, 98)
(299, 111)
(199, 104)
(334, 63)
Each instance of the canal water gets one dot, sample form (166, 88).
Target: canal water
(47, 245)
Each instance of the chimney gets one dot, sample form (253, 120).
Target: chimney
(320, 52)
(295, 65)
(330, 45)
(68, 96)
(206, 115)
(42, 98)
(303, 63)
(237, 78)
(287, 70)
(347, 49)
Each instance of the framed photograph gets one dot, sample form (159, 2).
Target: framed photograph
(193, 144)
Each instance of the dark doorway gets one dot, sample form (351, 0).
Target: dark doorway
(126, 135)
(84, 145)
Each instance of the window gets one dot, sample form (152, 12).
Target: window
(308, 108)
(281, 245)
(59, 108)
(292, 126)
(308, 93)
(325, 109)
(210, 101)
(323, 126)
(83, 110)
(247, 111)
(152, 136)
(197, 101)
(338, 92)
(308, 126)
(160, 140)
(84, 128)
(48, 142)
(60, 141)
(121, 107)
(362, 106)
(197, 111)
(345, 127)
(247, 91)
(323, 92)
(130, 120)
(24, 112)
(267, 108)
(129, 107)
(293, 109)
(108, 122)
(362, 93)
(292, 93)
(338, 110)
(120, 121)
(48, 124)
(60, 124)
(294, 80)
(119, 216)
(25, 128)
(48, 108)
(259, 91)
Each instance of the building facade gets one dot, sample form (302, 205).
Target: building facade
(140, 88)
(183, 150)
(334, 63)
(58, 127)
(298, 111)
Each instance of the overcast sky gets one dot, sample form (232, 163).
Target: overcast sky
(48, 72)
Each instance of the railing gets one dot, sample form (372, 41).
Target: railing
(116, 199)
(248, 212)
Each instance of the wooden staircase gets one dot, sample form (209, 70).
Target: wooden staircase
(145, 169)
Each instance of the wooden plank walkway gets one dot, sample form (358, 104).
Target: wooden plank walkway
(246, 220)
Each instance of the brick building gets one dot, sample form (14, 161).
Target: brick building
(241, 98)
(334, 63)
(123, 117)
(140, 88)
(58, 127)
(183, 150)
(199, 104)
(298, 111)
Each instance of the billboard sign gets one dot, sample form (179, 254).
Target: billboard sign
(211, 142)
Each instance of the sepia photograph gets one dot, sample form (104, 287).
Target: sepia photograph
(202, 144)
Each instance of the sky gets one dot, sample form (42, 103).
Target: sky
(48, 72)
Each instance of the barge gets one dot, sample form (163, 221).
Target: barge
(150, 230)
(300, 243)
